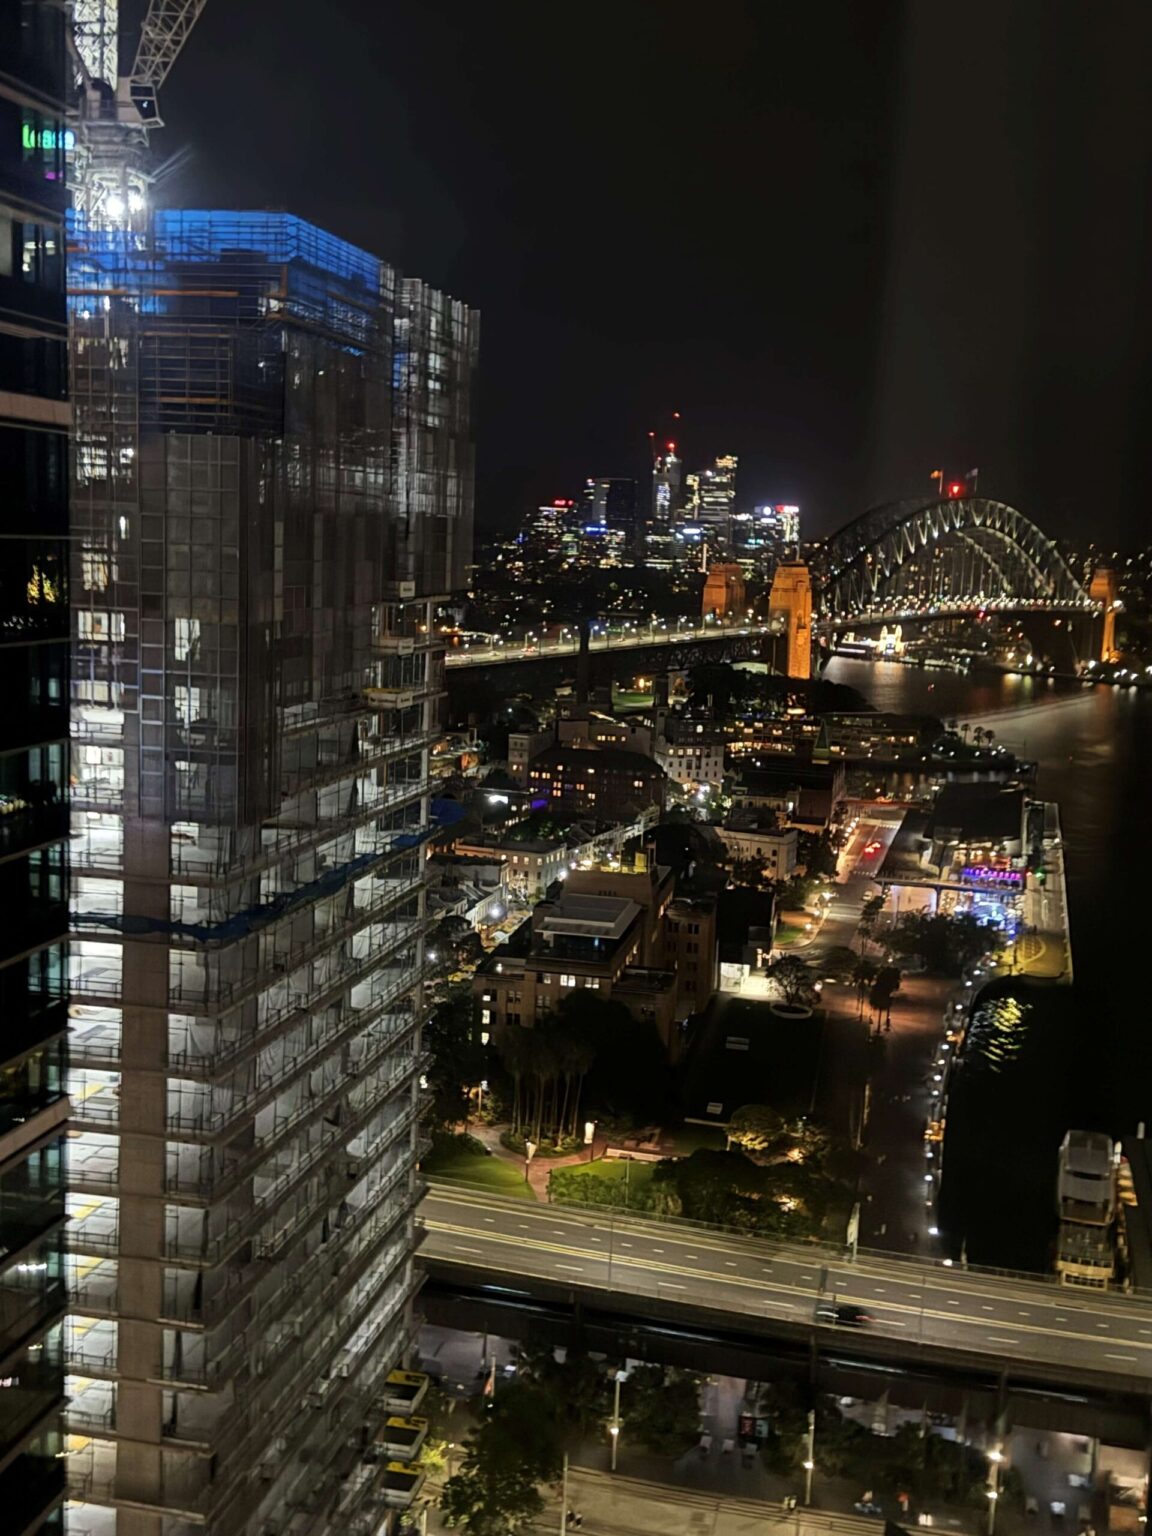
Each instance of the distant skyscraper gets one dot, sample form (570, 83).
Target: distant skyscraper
(717, 496)
(667, 476)
(34, 418)
(610, 503)
(762, 538)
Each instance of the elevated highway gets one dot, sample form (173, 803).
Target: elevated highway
(921, 1312)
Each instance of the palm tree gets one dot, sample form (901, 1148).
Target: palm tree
(864, 973)
(988, 737)
(978, 735)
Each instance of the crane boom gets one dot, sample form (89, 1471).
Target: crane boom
(165, 31)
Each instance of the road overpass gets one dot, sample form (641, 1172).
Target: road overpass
(606, 640)
(921, 1310)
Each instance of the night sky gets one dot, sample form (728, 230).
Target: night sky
(851, 242)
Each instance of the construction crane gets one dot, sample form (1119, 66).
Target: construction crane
(115, 113)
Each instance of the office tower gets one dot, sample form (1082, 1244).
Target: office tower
(667, 471)
(765, 536)
(550, 536)
(273, 482)
(33, 764)
(610, 502)
(714, 499)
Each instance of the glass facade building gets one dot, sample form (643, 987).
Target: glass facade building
(34, 419)
(272, 486)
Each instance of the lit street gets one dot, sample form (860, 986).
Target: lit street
(914, 1301)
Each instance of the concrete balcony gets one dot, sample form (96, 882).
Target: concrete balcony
(220, 1064)
(333, 1153)
(200, 1124)
(93, 1225)
(216, 1183)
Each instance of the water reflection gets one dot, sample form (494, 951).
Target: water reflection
(1009, 1103)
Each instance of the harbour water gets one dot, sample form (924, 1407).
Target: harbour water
(1089, 1060)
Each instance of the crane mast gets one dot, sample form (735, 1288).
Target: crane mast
(114, 113)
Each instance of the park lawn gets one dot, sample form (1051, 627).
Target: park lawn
(465, 1166)
(615, 1170)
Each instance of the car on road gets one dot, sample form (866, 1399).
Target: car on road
(845, 1314)
(873, 847)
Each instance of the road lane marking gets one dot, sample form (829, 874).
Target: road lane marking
(670, 1286)
(992, 1339)
(491, 1220)
(730, 1263)
(774, 1300)
(579, 1268)
(459, 1247)
(987, 1308)
(1120, 1357)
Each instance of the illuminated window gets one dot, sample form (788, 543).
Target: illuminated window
(567, 981)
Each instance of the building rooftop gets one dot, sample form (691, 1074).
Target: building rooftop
(604, 757)
(579, 916)
(977, 813)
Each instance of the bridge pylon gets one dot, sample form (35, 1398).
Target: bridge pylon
(1103, 590)
(791, 598)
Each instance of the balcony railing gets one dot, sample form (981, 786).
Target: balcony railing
(217, 1126)
(217, 1250)
(214, 1185)
(220, 1063)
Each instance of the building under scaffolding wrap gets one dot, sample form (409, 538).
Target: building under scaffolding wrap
(272, 482)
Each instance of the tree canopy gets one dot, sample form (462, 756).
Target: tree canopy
(946, 942)
(516, 1447)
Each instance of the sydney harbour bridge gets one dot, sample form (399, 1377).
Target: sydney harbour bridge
(911, 560)
(915, 562)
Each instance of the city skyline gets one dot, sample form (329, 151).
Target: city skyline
(897, 284)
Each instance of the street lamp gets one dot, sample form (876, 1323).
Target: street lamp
(614, 1425)
(810, 1458)
(995, 1457)
(589, 1136)
(529, 1154)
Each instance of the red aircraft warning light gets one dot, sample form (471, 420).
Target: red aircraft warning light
(955, 488)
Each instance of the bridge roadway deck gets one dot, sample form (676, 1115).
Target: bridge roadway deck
(642, 638)
(923, 1309)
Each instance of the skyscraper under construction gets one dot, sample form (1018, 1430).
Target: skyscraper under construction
(272, 475)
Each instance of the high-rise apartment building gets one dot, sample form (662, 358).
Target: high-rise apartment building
(273, 483)
(34, 422)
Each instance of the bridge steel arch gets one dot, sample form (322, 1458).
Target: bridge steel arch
(944, 556)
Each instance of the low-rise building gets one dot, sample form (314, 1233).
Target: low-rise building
(691, 751)
(523, 746)
(973, 826)
(1086, 1191)
(857, 735)
(580, 941)
(597, 728)
(805, 794)
(474, 888)
(540, 850)
(690, 950)
(607, 782)
(752, 835)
